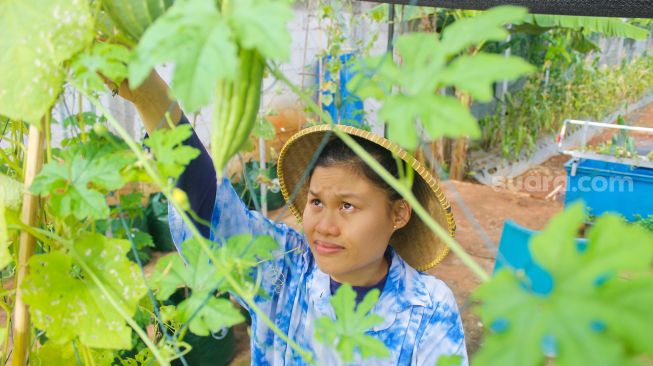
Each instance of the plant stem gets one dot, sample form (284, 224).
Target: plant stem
(383, 173)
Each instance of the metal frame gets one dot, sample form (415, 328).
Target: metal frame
(582, 153)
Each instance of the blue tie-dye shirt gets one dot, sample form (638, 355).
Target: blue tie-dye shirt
(421, 323)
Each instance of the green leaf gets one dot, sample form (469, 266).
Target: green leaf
(240, 254)
(11, 192)
(106, 58)
(37, 36)
(262, 25)
(212, 315)
(487, 26)
(263, 128)
(167, 146)
(440, 116)
(196, 272)
(5, 255)
(611, 27)
(347, 332)
(75, 183)
(598, 311)
(193, 35)
(476, 74)
(65, 302)
(64, 355)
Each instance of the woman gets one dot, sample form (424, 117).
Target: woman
(357, 230)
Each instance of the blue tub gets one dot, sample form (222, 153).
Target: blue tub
(345, 108)
(610, 187)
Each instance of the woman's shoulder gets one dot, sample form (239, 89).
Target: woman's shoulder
(426, 289)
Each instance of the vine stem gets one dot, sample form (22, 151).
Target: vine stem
(33, 164)
(187, 220)
(405, 192)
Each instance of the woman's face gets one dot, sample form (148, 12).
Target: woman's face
(348, 222)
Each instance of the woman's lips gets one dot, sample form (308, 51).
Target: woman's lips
(326, 248)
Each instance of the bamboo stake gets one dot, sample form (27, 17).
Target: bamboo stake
(27, 243)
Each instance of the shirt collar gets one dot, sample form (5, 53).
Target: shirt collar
(403, 289)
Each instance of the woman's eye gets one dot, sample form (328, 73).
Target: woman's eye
(316, 202)
(347, 206)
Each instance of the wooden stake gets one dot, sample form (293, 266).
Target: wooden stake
(459, 151)
(21, 326)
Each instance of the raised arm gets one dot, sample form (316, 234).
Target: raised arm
(152, 101)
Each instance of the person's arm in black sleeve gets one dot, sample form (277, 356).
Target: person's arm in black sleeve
(199, 182)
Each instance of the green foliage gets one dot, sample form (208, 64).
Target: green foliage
(347, 333)
(67, 355)
(611, 27)
(108, 59)
(586, 92)
(67, 303)
(203, 40)
(454, 360)
(76, 182)
(428, 64)
(170, 153)
(598, 311)
(11, 192)
(203, 310)
(37, 37)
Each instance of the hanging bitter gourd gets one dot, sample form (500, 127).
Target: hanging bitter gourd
(236, 108)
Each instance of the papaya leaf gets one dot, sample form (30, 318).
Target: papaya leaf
(194, 35)
(108, 59)
(262, 25)
(206, 316)
(477, 74)
(75, 183)
(67, 304)
(408, 88)
(598, 311)
(347, 332)
(170, 153)
(37, 37)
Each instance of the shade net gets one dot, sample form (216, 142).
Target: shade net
(600, 8)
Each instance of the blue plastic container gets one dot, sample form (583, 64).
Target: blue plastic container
(514, 253)
(610, 187)
(345, 108)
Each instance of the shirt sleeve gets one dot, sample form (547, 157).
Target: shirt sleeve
(442, 332)
(220, 205)
(199, 182)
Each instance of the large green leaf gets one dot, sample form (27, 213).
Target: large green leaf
(476, 74)
(347, 333)
(36, 37)
(487, 26)
(408, 89)
(262, 24)
(75, 183)
(598, 311)
(107, 59)
(65, 302)
(194, 35)
(611, 27)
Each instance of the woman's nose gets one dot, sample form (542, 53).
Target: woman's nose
(327, 225)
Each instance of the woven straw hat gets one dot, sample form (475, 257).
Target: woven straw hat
(415, 242)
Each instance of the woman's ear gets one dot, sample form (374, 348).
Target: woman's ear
(401, 212)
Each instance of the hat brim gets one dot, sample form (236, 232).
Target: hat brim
(415, 243)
